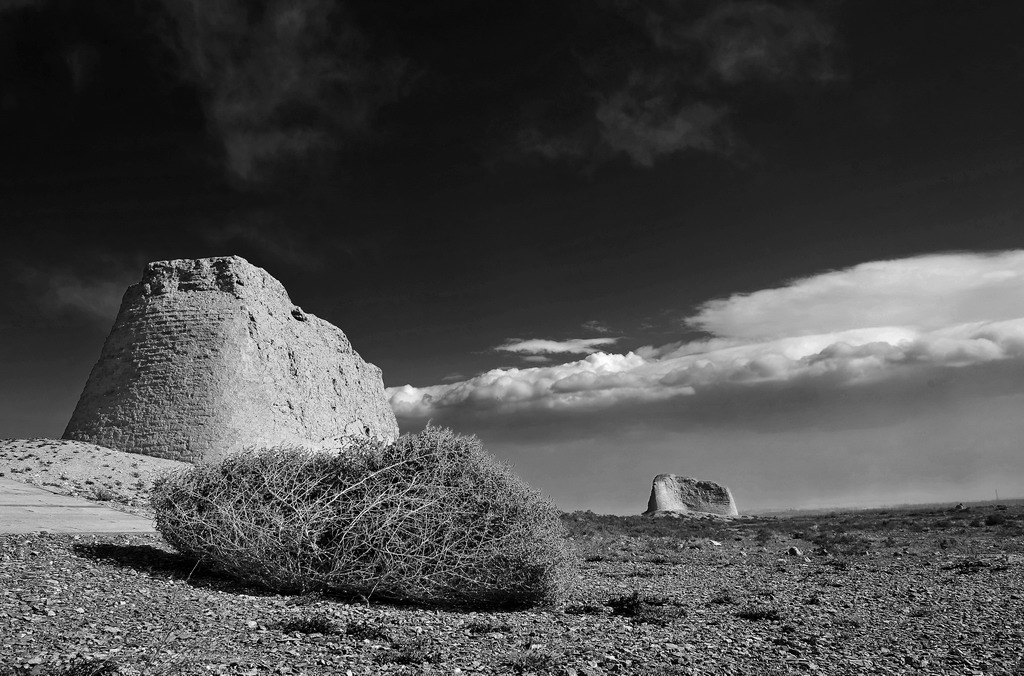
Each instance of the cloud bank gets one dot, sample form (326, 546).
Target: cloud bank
(926, 292)
(849, 333)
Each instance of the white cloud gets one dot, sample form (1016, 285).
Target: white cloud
(582, 383)
(925, 292)
(541, 346)
(869, 325)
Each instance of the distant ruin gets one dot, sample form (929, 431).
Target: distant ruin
(681, 495)
(210, 356)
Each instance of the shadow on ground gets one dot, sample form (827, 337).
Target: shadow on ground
(163, 564)
(160, 563)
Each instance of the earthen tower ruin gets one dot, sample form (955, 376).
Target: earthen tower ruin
(210, 356)
(671, 493)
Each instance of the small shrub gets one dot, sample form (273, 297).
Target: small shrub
(995, 519)
(661, 616)
(102, 494)
(722, 599)
(968, 566)
(758, 613)
(304, 599)
(838, 540)
(364, 631)
(628, 605)
(487, 628)
(646, 610)
(431, 518)
(315, 624)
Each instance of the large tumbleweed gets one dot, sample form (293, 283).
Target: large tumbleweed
(431, 518)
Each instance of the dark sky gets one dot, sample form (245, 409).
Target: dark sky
(466, 186)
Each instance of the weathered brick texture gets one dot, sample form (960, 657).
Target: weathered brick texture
(671, 493)
(210, 356)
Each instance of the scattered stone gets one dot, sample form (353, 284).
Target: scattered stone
(794, 551)
(210, 356)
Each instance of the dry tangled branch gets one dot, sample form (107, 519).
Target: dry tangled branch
(431, 518)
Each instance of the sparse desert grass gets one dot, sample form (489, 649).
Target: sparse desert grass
(610, 538)
(841, 538)
(588, 525)
(431, 518)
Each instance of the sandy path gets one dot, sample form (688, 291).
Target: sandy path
(121, 480)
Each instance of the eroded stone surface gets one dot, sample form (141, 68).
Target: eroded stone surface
(671, 493)
(210, 356)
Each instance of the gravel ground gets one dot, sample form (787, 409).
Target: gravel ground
(728, 609)
(935, 593)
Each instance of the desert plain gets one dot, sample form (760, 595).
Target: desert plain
(933, 589)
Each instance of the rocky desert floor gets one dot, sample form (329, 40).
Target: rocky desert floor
(928, 590)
